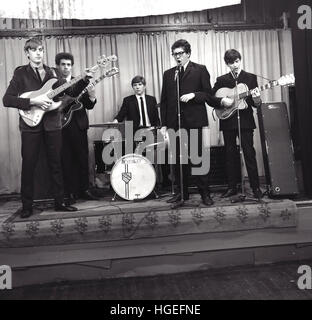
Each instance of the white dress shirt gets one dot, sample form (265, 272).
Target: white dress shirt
(147, 121)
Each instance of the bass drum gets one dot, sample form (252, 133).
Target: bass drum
(133, 177)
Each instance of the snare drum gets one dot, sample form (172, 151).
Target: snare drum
(133, 177)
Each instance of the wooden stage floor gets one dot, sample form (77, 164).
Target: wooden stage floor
(107, 220)
(106, 239)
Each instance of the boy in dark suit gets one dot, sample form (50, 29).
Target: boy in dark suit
(75, 152)
(229, 126)
(31, 77)
(140, 107)
(195, 90)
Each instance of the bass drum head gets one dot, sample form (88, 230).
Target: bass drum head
(133, 177)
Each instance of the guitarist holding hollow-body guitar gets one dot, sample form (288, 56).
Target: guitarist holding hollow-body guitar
(75, 138)
(30, 78)
(229, 126)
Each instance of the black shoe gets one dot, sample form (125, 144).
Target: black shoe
(70, 199)
(26, 213)
(229, 193)
(87, 195)
(257, 193)
(207, 201)
(64, 207)
(178, 198)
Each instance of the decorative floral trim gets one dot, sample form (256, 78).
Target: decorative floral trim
(220, 215)
(81, 225)
(151, 219)
(175, 217)
(105, 223)
(265, 212)
(197, 215)
(285, 214)
(128, 222)
(32, 229)
(242, 213)
(57, 227)
(8, 230)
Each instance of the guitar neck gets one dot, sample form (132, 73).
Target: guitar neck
(266, 86)
(64, 86)
(94, 83)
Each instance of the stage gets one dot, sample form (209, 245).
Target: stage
(108, 238)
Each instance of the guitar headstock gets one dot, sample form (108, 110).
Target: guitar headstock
(103, 60)
(287, 80)
(111, 72)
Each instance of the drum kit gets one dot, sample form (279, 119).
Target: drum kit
(134, 176)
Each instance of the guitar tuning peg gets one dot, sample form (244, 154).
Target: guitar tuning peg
(113, 58)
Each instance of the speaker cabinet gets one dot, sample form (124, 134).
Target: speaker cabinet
(277, 149)
(218, 173)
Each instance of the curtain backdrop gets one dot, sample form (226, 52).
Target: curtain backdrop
(266, 53)
(99, 9)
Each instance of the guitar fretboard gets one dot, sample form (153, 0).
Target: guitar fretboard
(96, 82)
(63, 87)
(266, 86)
(68, 84)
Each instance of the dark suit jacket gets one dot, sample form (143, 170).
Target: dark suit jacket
(247, 120)
(81, 116)
(196, 79)
(130, 111)
(25, 80)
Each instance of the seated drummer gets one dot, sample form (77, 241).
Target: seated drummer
(139, 108)
(142, 110)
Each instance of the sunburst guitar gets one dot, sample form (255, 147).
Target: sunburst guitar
(73, 104)
(34, 115)
(240, 94)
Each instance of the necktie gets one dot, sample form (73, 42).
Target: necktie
(38, 75)
(181, 72)
(143, 112)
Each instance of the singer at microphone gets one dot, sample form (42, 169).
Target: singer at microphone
(189, 103)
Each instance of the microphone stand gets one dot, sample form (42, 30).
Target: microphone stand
(181, 202)
(240, 197)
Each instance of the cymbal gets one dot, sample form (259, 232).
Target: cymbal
(106, 124)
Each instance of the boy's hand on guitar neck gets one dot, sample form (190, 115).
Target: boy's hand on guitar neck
(41, 101)
(91, 91)
(255, 93)
(89, 74)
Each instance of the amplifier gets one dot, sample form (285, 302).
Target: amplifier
(277, 149)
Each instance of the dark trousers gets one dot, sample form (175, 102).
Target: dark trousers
(201, 181)
(75, 159)
(249, 156)
(31, 142)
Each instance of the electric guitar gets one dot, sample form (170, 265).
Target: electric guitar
(34, 115)
(243, 92)
(74, 104)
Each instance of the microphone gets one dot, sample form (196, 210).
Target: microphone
(176, 73)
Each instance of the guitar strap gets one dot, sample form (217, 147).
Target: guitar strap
(213, 114)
